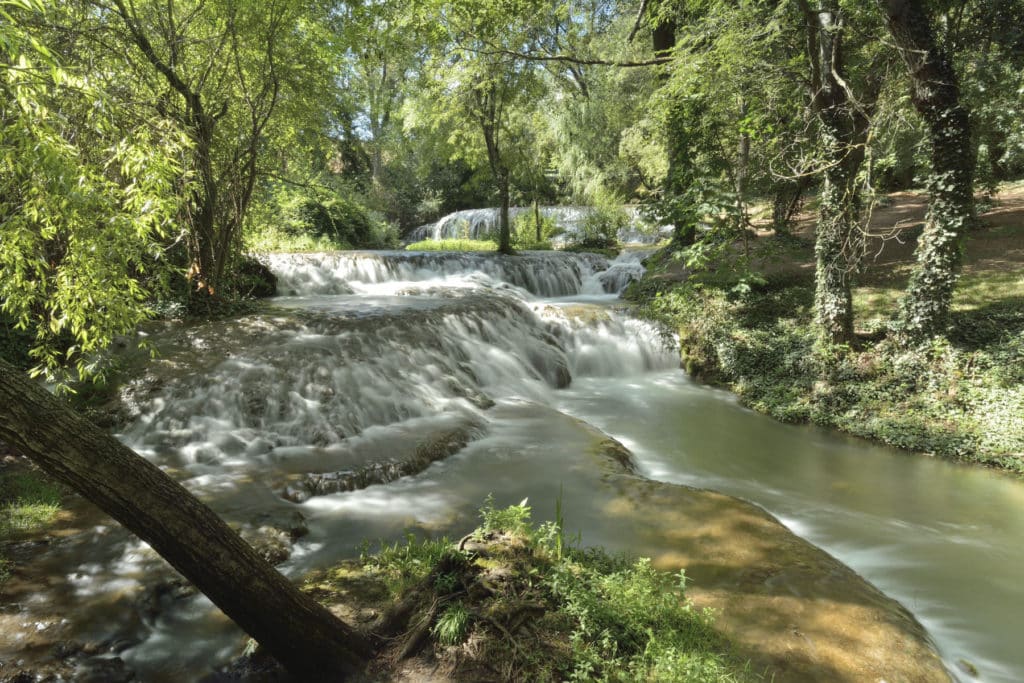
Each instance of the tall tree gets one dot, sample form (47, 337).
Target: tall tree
(217, 69)
(843, 126)
(477, 69)
(935, 92)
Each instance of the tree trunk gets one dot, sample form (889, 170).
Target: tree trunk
(299, 632)
(843, 127)
(504, 228)
(935, 93)
(536, 219)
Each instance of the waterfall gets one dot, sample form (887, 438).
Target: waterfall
(538, 273)
(483, 224)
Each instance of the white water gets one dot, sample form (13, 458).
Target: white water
(370, 354)
(482, 223)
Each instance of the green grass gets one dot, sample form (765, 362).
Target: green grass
(595, 616)
(453, 245)
(28, 503)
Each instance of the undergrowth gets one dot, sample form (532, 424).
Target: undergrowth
(959, 396)
(515, 601)
(28, 502)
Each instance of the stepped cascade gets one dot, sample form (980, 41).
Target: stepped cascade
(389, 391)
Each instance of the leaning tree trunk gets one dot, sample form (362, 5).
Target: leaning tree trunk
(935, 92)
(299, 632)
(843, 127)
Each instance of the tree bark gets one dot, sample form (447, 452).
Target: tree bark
(504, 225)
(935, 93)
(300, 633)
(843, 128)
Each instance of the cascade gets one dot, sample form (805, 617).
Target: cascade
(483, 223)
(391, 390)
(540, 273)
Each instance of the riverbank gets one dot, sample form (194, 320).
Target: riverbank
(961, 397)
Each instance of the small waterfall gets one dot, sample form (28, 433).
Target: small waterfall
(483, 223)
(627, 267)
(538, 273)
(314, 380)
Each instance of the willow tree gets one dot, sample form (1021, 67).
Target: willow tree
(85, 204)
(218, 70)
(935, 92)
(478, 91)
(78, 219)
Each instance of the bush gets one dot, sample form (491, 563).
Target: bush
(524, 231)
(301, 219)
(600, 227)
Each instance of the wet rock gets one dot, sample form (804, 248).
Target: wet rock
(790, 608)
(158, 598)
(104, 670)
(617, 455)
(258, 667)
(26, 677)
(438, 447)
(292, 522)
(67, 649)
(272, 544)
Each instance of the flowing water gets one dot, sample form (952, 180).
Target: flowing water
(517, 366)
(483, 223)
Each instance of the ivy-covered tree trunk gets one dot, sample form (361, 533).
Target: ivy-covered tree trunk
(301, 634)
(935, 93)
(843, 126)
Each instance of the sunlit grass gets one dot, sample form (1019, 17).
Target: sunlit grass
(29, 502)
(453, 245)
(976, 289)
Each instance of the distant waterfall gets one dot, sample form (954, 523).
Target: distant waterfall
(482, 223)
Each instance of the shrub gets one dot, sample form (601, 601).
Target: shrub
(600, 227)
(524, 231)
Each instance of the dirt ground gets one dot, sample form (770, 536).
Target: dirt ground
(996, 244)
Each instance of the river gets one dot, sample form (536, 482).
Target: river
(527, 360)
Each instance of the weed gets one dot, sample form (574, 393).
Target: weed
(514, 519)
(452, 626)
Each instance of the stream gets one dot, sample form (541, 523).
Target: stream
(515, 366)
